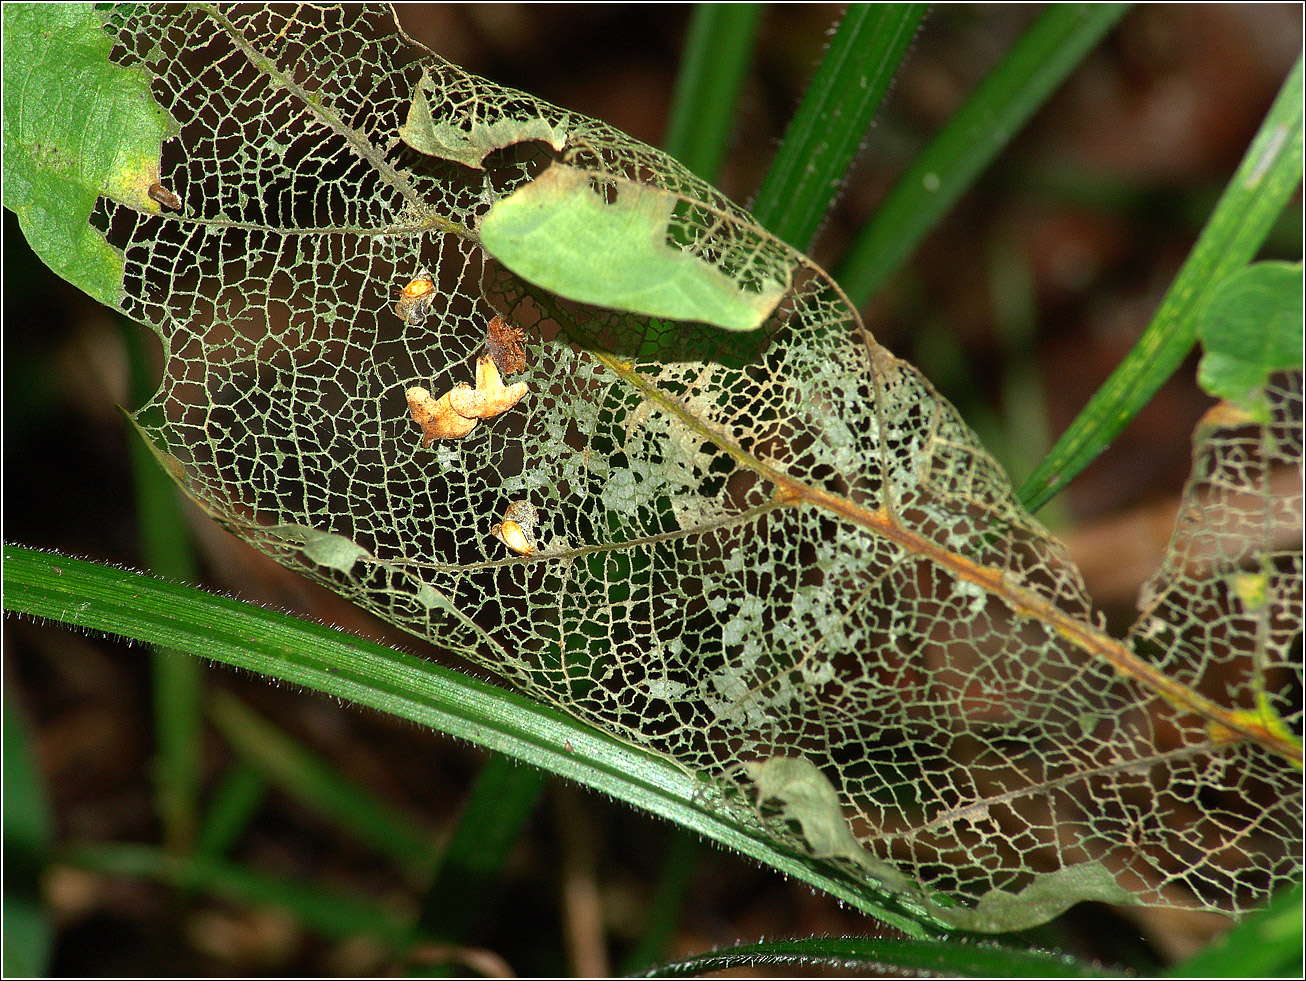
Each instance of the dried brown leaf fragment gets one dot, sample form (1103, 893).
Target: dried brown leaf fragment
(506, 344)
(456, 413)
(437, 417)
(490, 397)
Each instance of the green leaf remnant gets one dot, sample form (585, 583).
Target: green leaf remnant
(103, 140)
(471, 143)
(557, 233)
(1252, 328)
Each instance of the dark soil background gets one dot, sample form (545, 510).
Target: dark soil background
(1017, 307)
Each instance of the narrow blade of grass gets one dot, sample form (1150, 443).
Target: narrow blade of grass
(828, 128)
(235, 801)
(330, 912)
(1248, 209)
(286, 764)
(503, 798)
(28, 936)
(178, 681)
(1001, 104)
(94, 597)
(678, 867)
(718, 48)
(973, 960)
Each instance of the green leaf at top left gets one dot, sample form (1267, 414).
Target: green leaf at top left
(76, 127)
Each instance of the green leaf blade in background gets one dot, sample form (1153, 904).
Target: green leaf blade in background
(1264, 944)
(466, 886)
(28, 838)
(1251, 328)
(972, 137)
(285, 764)
(75, 128)
(331, 912)
(830, 124)
(717, 53)
(1252, 201)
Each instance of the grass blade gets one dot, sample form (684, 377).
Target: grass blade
(284, 763)
(132, 605)
(1002, 103)
(177, 681)
(718, 48)
(972, 960)
(828, 128)
(235, 801)
(1248, 209)
(330, 912)
(504, 797)
(674, 876)
(28, 827)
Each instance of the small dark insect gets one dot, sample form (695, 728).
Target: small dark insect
(504, 341)
(415, 299)
(164, 197)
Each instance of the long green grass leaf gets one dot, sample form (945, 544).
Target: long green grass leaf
(718, 48)
(830, 124)
(979, 960)
(1253, 200)
(1002, 103)
(95, 597)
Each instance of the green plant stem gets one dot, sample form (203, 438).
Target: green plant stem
(1253, 200)
(718, 49)
(1001, 104)
(828, 128)
(94, 597)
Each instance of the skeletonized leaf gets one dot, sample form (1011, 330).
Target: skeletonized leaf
(747, 548)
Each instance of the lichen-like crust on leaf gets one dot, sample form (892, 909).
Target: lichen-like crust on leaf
(747, 547)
